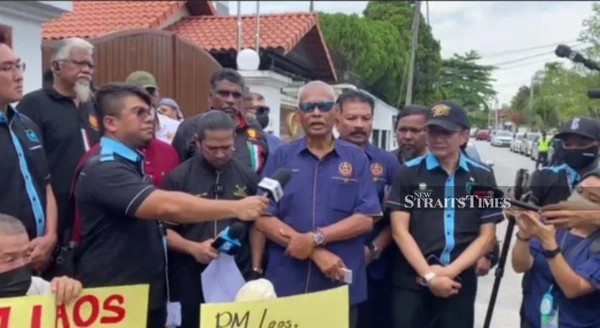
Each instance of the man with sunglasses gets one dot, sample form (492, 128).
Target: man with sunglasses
(256, 108)
(212, 173)
(226, 94)
(434, 274)
(317, 230)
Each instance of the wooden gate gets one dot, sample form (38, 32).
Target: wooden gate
(182, 69)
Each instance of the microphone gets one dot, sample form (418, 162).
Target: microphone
(594, 93)
(563, 51)
(228, 241)
(487, 191)
(272, 188)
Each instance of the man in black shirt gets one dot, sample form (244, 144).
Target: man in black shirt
(410, 135)
(121, 242)
(213, 174)
(24, 176)
(66, 118)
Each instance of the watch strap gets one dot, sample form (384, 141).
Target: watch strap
(550, 254)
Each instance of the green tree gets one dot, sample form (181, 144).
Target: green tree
(519, 106)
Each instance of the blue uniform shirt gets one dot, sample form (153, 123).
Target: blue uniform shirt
(383, 167)
(273, 142)
(579, 312)
(321, 193)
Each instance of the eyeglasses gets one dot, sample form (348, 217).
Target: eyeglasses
(309, 107)
(13, 67)
(227, 94)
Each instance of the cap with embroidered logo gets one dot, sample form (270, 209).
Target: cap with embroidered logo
(448, 115)
(581, 126)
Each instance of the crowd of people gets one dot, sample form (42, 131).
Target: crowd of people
(115, 186)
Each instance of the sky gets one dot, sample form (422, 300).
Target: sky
(494, 28)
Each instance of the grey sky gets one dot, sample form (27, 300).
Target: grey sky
(488, 27)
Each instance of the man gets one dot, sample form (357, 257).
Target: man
(120, 240)
(169, 107)
(166, 127)
(410, 135)
(355, 125)
(16, 276)
(435, 280)
(317, 230)
(24, 174)
(66, 119)
(543, 147)
(255, 107)
(226, 95)
(211, 174)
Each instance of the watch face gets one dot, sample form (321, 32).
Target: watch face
(319, 238)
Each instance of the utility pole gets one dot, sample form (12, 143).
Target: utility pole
(413, 53)
(257, 27)
(239, 27)
(530, 111)
(312, 6)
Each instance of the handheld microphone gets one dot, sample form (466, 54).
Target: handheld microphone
(563, 51)
(228, 241)
(272, 188)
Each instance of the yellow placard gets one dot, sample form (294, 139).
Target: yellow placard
(125, 306)
(328, 309)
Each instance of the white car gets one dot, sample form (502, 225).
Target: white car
(515, 145)
(502, 139)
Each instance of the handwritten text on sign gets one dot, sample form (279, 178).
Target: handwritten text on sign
(97, 307)
(328, 309)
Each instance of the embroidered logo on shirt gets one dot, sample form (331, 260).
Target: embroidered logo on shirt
(252, 134)
(93, 122)
(376, 170)
(240, 191)
(345, 169)
(32, 136)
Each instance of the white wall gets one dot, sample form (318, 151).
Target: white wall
(61, 5)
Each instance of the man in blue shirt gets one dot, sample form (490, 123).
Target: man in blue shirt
(318, 228)
(355, 125)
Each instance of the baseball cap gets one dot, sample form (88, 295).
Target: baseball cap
(448, 115)
(142, 79)
(581, 126)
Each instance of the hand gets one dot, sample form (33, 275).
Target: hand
(329, 264)
(483, 266)
(368, 257)
(41, 251)
(300, 245)
(251, 208)
(203, 252)
(546, 233)
(65, 289)
(568, 214)
(444, 287)
(525, 230)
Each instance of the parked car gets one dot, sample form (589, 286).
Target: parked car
(527, 142)
(482, 135)
(502, 138)
(491, 136)
(515, 145)
(472, 132)
(534, 148)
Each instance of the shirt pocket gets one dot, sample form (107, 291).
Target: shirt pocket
(342, 194)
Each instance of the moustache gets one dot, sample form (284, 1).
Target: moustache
(358, 133)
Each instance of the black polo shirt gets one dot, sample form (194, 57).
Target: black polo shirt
(68, 132)
(439, 229)
(553, 184)
(23, 172)
(197, 177)
(117, 248)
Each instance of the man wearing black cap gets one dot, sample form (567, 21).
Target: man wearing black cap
(434, 277)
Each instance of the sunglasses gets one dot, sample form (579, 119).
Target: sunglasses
(309, 107)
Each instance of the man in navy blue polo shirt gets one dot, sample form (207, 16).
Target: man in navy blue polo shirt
(318, 228)
(355, 125)
(23, 169)
(439, 237)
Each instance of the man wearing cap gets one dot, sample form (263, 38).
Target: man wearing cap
(434, 274)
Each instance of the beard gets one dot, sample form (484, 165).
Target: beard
(83, 90)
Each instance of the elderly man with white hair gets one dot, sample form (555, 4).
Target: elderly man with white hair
(66, 118)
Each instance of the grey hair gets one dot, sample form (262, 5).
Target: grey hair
(214, 120)
(312, 84)
(64, 48)
(10, 226)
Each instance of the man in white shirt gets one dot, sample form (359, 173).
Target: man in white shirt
(15, 267)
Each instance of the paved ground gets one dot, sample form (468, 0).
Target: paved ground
(506, 312)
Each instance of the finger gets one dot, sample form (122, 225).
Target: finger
(60, 291)
(69, 291)
(213, 254)
(555, 207)
(559, 222)
(551, 215)
(456, 285)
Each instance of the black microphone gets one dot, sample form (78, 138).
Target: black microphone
(228, 241)
(272, 187)
(563, 51)
(594, 93)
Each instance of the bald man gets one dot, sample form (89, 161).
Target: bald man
(316, 232)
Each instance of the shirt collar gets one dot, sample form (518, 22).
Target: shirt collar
(10, 113)
(433, 163)
(370, 150)
(303, 145)
(111, 146)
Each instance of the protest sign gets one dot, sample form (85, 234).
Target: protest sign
(124, 306)
(328, 309)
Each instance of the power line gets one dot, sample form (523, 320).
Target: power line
(530, 57)
(495, 54)
(527, 64)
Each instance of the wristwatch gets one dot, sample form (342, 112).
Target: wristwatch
(521, 238)
(375, 253)
(552, 253)
(426, 279)
(319, 238)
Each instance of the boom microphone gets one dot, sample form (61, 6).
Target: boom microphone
(272, 188)
(228, 241)
(563, 51)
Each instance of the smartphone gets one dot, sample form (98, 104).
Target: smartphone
(434, 260)
(347, 276)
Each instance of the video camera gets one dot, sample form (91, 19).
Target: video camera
(563, 51)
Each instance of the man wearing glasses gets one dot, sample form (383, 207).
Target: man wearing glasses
(316, 232)
(226, 92)
(256, 108)
(67, 121)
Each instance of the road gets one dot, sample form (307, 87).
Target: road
(506, 312)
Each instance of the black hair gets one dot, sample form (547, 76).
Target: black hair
(214, 120)
(3, 38)
(355, 96)
(228, 74)
(108, 99)
(48, 77)
(409, 111)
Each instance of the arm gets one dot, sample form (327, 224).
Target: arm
(407, 244)
(51, 213)
(476, 249)
(257, 247)
(271, 227)
(177, 243)
(383, 239)
(521, 258)
(350, 227)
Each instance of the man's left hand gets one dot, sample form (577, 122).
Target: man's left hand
(568, 214)
(41, 251)
(300, 246)
(483, 266)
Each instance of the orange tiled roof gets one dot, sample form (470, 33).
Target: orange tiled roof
(91, 19)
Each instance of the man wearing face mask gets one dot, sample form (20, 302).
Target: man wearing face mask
(256, 107)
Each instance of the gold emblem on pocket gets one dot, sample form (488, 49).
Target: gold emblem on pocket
(345, 169)
(240, 191)
(376, 170)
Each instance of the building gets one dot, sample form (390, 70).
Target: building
(22, 22)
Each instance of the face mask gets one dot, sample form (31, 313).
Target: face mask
(580, 158)
(263, 120)
(16, 282)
